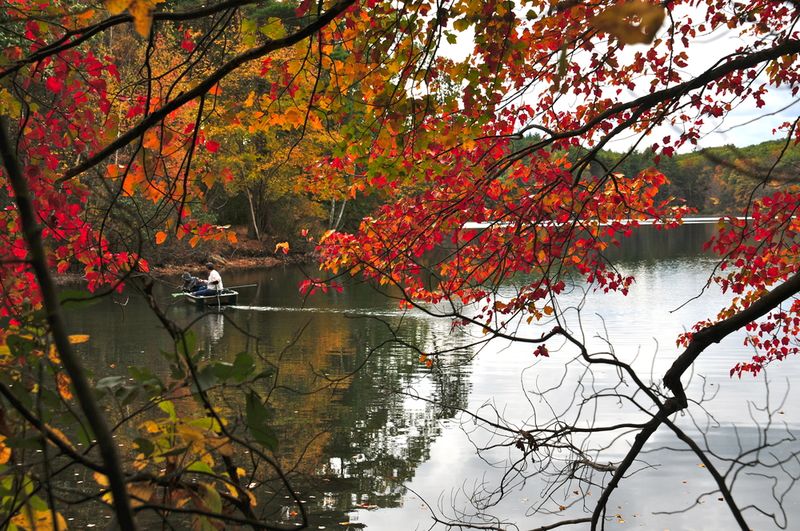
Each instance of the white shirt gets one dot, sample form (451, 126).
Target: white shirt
(214, 280)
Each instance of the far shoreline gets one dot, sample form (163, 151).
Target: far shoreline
(223, 264)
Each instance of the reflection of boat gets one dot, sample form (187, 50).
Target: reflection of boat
(225, 297)
(216, 326)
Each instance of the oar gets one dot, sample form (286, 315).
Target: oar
(243, 286)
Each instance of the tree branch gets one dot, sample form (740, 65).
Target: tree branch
(204, 86)
(33, 237)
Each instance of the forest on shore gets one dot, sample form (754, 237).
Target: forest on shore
(716, 181)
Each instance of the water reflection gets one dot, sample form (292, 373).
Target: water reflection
(365, 427)
(348, 438)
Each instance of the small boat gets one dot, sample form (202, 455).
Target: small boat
(225, 297)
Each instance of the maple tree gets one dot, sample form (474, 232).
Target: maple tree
(111, 139)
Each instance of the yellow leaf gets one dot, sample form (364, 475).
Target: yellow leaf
(140, 493)
(634, 22)
(60, 435)
(190, 434)
(141, 10)
(295, 116)
(283, 246)
(53, 355)
(101, 479)
(209, 179)
(161, 236)
(9, 104)
(251, 98)
(41, 520)
(115, 7)
(78, 338)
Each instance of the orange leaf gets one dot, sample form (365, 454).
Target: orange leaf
(161, 237)
(633, 22)
(152, 139)
(283, 246)
(5, 451)
(63, 384)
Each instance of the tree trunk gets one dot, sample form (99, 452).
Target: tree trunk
(253, 230)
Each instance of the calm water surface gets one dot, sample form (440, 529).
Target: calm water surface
(370, 452)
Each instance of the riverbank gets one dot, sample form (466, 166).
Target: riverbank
(196, 268)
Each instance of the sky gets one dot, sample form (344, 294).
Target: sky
(745, 125)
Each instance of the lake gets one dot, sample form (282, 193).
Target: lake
(384, 439)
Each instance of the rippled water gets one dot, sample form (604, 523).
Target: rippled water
(388, 443)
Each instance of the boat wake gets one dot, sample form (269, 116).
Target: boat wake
(360, 312)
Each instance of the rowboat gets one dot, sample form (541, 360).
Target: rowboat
(225, 297)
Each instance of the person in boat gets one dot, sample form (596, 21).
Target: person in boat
(213, 284)
(191, 283)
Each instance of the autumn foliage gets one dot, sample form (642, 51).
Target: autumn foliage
(475, 125)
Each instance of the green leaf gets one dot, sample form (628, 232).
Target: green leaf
(37, 504)
(169, 408)
(144, 376)
(273, 29)
(199, 466)
(126, 394)
(461, 24)
(248, 32)
(85, 435)
(243, 366)
(206, 379)
(176, 372)
(19, 346)
(175, 451)
(189, 339)
(206, 423)
(212, 498)
(30, 443)
(222, 370)
(110, 384)
(257, 416)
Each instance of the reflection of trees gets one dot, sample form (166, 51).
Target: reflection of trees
(652, 244)
(345, 432)
(364, 439)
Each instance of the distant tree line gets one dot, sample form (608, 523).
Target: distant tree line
(720, 180)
